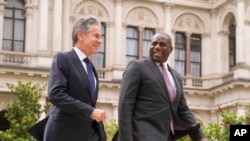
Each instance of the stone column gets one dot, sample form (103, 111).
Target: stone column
(223, 50)
(215, 51)
(2, 6)
(118, 31)
(140, 53)
(167, 17)
(57, 26)
(188, 52)
(28, 28)
(206, 54)
(241, 68)
(66, 32)
(43, 26)
(240, 32)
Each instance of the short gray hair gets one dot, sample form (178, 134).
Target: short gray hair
(83, 24)
(168, 37)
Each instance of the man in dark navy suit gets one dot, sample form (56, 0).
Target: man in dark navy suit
(73, 94)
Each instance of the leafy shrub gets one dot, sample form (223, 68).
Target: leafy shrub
(111, 128)
(24, 112)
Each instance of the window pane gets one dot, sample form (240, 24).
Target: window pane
(180, 67)
(129, 58)
(195, 69)
(132, 47)
(147, 36)
(7, 30)
(14, 25)
(146, 47)
(14, 3)
(132, 43)
(6, 45)
(97, 60)
(19, 14)
(180, 38)
(180, 53)
(8, 13)
(132, 32)
(232, 46)
(101, 48)
(18, 46)
(19, 30)
(195, 56)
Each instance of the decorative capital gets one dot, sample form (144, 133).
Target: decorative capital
(118, 1)
(214, 13)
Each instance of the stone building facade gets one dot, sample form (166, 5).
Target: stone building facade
(209, 37)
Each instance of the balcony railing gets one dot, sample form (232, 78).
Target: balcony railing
(15, 58)
(30, 61)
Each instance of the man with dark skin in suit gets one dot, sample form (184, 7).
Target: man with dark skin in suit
(146, 111)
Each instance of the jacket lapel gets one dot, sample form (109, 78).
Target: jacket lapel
(157, 73)
(78, 65)
(177, 84)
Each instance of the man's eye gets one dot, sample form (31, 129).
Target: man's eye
(154, 44)
(162, 44)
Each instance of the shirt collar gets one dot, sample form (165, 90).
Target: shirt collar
(79, 53)
(164, 63)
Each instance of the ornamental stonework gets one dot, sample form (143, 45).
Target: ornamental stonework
(142, 16)
(91, 8)
(189, 22)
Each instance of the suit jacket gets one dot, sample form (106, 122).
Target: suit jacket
(72, 105)
(145, 108)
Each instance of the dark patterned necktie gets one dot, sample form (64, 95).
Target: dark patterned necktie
(91, 76)
(170, 91)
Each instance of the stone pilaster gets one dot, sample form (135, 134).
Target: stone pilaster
(57, 26)
(118, 30)
(28, 28)
(2, 6)
(43, 26)
(240, 32)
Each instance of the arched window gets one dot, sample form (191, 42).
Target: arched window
(138, 42)
(188, 54)
(180, 53)
(232, 47)
(14, 26)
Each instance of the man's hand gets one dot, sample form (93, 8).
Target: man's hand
(98, 115)
(204, 139)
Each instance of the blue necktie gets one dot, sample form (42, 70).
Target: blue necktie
(91, 76)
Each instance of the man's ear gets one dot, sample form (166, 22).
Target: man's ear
(171, 49)
(80, 35)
